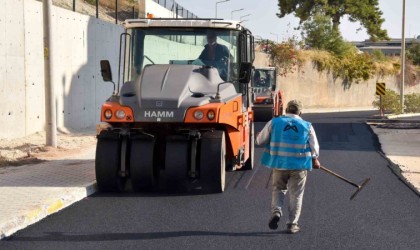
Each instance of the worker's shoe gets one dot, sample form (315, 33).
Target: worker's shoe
(293, 228)
(274, 220)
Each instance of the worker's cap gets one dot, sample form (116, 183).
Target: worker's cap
(295, 105)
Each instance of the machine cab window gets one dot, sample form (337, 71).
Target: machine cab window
(217, 48)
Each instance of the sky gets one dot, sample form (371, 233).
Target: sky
(264, 23)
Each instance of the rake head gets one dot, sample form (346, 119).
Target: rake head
(360, 187)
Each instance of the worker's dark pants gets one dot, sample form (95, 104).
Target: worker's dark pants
(294, 182)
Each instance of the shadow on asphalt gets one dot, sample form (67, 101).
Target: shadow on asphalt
(157, 192)
(59, 236)
(340, 131)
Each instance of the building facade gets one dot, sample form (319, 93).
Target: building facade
(389, 48)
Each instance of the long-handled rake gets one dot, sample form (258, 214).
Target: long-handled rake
(359, 187)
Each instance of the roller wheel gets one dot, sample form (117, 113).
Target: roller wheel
(107, 162)
(249, 164)
(143, 173)
(176, 162)
(213, 161)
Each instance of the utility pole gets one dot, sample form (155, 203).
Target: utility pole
(220, 2)
(231, 13)
(241, 17)
(50, 109)
(402, 59)
(116, 11)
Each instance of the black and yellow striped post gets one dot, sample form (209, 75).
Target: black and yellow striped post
(380, 90)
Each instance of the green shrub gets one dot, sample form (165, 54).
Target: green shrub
(92, 2)
(284, 56)
(352, 67)
(355, 67)
(379, 56)
(318, 33)
(322, 60)
(266, 45)
(412, 103)
(413, 53)
(390, 102)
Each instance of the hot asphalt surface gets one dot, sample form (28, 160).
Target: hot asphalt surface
(384, 215)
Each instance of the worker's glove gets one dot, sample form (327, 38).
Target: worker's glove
(315, 163)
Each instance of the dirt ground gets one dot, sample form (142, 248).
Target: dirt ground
(31, 149)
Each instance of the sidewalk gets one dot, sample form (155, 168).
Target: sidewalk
(401, 148)
(32, 192)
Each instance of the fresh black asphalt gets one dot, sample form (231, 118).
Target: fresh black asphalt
(384, 215)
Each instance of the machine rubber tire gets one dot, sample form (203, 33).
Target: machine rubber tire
(213, 161)
(249, 164)
(107, 162)
(176, 161)
(142, 171)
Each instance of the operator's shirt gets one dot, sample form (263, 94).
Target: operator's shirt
(264, 136)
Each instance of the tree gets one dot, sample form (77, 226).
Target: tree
(413, 53)
(318, 33)
(367, 12)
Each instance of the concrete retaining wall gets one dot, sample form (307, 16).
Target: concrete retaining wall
(79, 43)
(12, 68)
(319, 89)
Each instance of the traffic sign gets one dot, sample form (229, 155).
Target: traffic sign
(380, 88)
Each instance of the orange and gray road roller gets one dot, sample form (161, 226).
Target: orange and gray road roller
(266, 94)
(180, 114)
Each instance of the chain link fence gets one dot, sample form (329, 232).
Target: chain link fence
(173, 6)
(108, 10)
(119, 10)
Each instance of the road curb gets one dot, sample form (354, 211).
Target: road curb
(34, 214)
(395, 168)
(391, 116)
(397, 171)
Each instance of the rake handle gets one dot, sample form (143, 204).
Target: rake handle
(338, 176)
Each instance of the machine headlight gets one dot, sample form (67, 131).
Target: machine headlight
(198, 114)
(108, 114)
(211, 114)
(120, 114)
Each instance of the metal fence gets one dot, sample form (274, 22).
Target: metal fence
(109, 10)
(173, 6)
(117, 11)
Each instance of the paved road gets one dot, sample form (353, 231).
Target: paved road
(385, 215)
